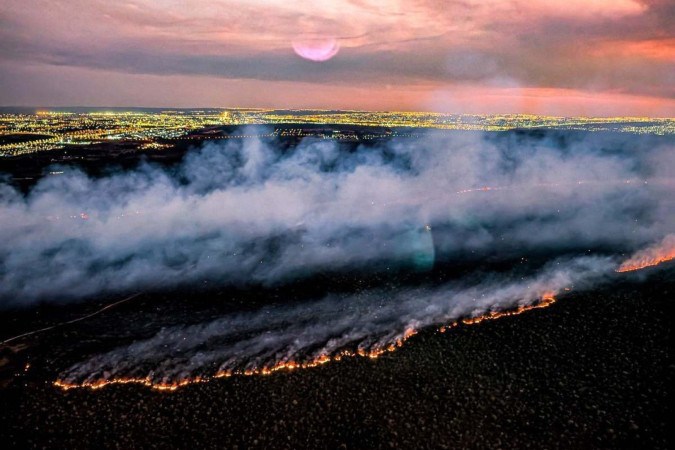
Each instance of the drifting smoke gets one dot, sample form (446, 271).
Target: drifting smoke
(257, 213)
(253, 213)
(367, 324)
(664, 251)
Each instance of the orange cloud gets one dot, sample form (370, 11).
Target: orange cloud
(661, 49)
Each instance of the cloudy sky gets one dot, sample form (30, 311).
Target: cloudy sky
(572, 57)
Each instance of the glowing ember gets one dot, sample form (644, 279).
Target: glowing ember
(652, 256)
(547, 300)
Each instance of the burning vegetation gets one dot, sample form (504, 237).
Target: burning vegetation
(652, 256)
(373, 352)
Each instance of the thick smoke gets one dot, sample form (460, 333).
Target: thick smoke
(257, 213)
(251, 212)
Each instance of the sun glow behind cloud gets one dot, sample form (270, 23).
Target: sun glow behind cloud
(318, 50)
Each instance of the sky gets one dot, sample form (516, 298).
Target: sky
(573, 57)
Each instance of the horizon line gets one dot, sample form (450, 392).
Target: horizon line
(187, 108)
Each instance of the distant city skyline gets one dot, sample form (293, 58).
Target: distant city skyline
(573, 58)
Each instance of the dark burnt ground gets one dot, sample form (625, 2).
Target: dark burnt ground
(595, 370)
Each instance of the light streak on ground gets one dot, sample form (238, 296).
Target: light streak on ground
(95, 313)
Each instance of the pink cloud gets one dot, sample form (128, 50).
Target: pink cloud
(612, 51)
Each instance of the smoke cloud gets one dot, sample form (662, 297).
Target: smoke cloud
(255, 212)
(249, 211)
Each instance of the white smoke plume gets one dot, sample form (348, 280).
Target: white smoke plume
(253, 213)
(256, 213)
(651, 256)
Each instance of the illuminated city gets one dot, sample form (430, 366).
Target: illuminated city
(48, 130)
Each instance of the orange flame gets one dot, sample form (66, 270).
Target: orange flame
(652, 256)
(546, 300)
(375, 352)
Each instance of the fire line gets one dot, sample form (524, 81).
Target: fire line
(546, 300)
